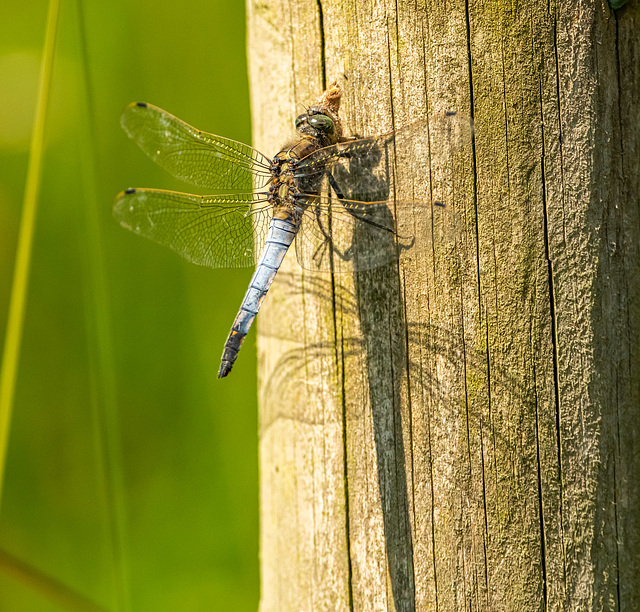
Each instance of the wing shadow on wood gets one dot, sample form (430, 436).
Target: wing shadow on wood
(382, 348)
(392, 351)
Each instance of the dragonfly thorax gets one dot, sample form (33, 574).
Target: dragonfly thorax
(284, 185)
(285, 190)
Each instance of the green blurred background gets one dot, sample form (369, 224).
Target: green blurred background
(131, 471)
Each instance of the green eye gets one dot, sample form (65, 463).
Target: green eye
(322, 123)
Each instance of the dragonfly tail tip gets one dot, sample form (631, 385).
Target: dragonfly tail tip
(225, 368)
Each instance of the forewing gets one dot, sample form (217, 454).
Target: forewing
(391, 193)
(218, 231)
(199, 158)
(372, 168)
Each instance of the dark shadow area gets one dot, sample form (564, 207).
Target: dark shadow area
(380, 306)
(383, 346)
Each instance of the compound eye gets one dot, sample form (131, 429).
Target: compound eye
(322, 123)
(300, 119)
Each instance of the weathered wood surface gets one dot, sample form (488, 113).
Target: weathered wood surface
(460, 431)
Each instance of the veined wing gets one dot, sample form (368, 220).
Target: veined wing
(365, 168)
(218, 231)
(346, 235)
(202, 159)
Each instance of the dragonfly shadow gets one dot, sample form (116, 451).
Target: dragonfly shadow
(393, 353)
(380, 308)
(376, 306)
(372, 259)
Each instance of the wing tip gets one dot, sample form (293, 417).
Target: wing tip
(133, 105)
(119, 204)
(126, 113)
(126, 192)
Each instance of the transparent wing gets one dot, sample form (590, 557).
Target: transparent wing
(344, 235)
(371, 168)
(218, 231)
(393, 192)
(202, 159)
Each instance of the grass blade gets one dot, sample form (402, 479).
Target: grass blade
(17, 301)
(103, 379)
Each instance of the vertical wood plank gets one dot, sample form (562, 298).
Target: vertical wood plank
(459, 430)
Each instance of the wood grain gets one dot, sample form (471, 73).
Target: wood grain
(459, 430)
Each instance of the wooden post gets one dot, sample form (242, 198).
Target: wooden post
(459, 431)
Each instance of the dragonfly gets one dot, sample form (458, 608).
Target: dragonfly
(327, 192)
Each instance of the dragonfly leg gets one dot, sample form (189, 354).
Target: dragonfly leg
(334, 185)
(353, 213)
(319, 253)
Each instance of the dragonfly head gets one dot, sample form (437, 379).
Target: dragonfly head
(321, 121)
(316, 124)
